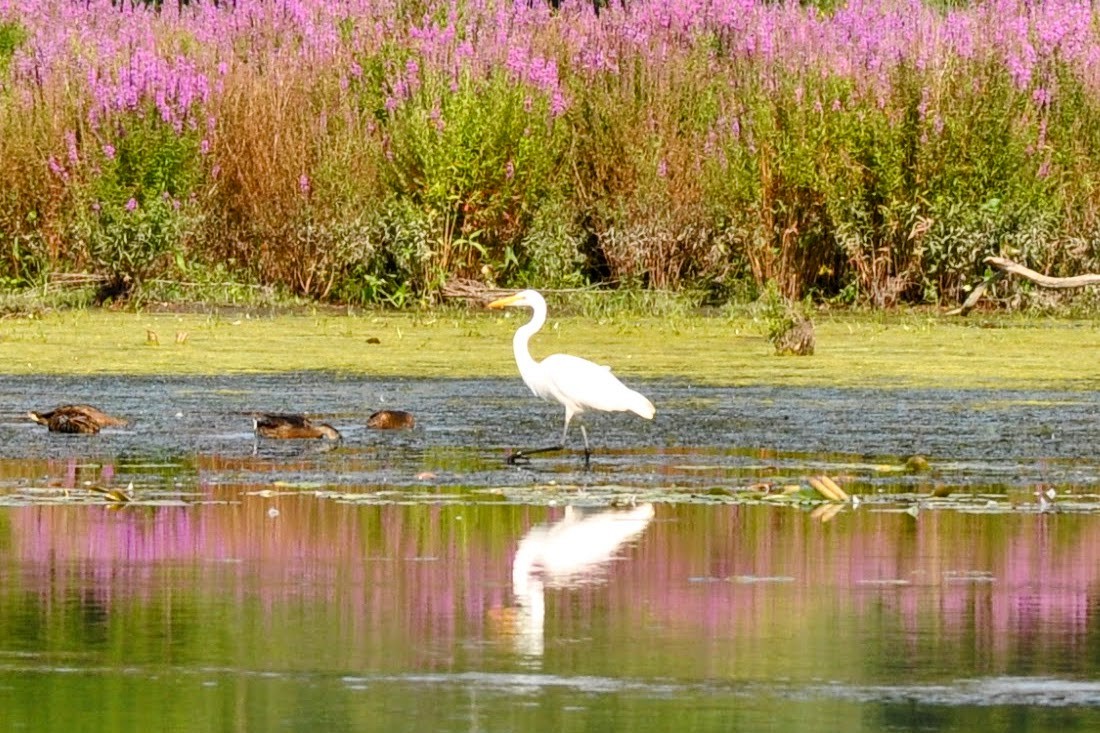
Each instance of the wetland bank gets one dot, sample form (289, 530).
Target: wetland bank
(895, 350)
(318, 587)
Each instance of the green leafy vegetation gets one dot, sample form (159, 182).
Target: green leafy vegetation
(855, 153)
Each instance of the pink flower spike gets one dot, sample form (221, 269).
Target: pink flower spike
(70, 143)
(131, 204)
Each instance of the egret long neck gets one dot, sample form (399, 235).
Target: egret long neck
(520, 341)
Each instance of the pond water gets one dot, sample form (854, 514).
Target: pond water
(415, 581)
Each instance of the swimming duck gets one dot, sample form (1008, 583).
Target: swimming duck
(391, 420)
(292, 426)
(75, 419)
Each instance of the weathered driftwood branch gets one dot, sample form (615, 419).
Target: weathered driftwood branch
(976, 295)
(1046, 281)
(1006, 266)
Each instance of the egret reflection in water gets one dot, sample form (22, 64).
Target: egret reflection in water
(570, 552)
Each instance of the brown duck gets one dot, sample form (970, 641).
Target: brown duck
(391, 420)
(292, 426)
(75, 419)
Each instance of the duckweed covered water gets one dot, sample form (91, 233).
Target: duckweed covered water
(854, 351)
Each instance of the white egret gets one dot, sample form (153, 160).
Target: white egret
(577, 384)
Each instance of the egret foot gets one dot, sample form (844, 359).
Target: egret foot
(513, 458)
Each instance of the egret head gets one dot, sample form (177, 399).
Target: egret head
(524, 298)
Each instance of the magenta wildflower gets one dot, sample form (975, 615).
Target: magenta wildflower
(558, 105)
(109, 151)
(131, 204)
(70, 144)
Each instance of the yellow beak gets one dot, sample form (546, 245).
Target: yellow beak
(504, 302)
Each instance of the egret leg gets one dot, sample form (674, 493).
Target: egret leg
(587, 452)
(565, 431)
(521, 456)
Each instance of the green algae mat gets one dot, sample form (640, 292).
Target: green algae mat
(904, 350)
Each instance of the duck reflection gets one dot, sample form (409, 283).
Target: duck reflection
(573, 551)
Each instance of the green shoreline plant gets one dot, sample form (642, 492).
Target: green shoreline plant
(869, 152)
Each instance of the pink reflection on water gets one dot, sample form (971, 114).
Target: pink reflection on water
(434, 576)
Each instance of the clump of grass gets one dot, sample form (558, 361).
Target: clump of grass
(786, 323)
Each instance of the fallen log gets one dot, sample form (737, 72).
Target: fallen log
(976, 295)
(1005, 266)
(1046, 281)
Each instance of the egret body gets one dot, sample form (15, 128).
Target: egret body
(577, 384)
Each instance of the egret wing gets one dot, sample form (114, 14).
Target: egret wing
(590, 386)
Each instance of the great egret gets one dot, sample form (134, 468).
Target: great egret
(270, 425)
(75, 419)
(577, 384)
(391, 420)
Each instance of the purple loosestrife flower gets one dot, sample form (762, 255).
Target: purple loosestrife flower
(132, 204)
(56, 168)
(412, 74)
(558, 104)
(109, 151)
(70, 144)
(303, 184)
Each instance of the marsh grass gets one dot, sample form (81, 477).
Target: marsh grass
(901, 350)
